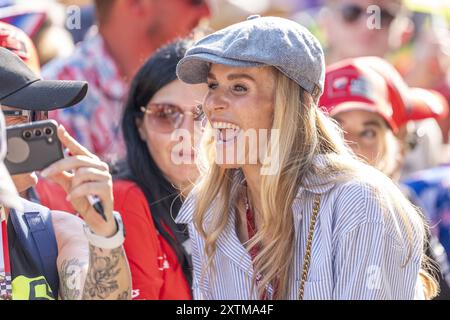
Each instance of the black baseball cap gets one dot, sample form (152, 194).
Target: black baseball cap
(21, 88)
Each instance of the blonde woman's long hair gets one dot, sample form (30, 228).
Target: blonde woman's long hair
(305, 132)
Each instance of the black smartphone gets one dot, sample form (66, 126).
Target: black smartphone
(32, 146)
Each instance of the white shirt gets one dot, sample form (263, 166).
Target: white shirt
(358, 248)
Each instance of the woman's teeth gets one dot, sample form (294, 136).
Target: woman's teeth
(225, 125)
(226, 131)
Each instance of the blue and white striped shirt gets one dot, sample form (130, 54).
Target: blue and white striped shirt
(358, 250)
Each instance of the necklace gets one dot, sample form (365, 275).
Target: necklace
(307, 257)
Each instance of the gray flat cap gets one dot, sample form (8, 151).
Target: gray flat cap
(259, 41)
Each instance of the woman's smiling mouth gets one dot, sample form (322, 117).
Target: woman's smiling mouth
(226, 131)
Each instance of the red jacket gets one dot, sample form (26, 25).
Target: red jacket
(53, 196)
(155, 270)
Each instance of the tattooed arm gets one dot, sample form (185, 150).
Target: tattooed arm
(87, 272)
(108, 275)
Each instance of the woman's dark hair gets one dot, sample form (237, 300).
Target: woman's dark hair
(139, 167)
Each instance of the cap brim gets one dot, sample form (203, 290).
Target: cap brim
(364, 106)
(425, 104)
(194, 69)
(351, 106)
(45, 95)
(8, 193)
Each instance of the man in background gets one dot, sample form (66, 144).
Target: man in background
(129, 31)
(355, 28)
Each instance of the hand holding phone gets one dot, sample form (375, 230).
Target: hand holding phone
(83, 175)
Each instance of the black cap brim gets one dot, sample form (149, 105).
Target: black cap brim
(43, 95)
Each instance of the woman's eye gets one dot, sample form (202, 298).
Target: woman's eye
(240, 88)
(171, 111)
(161, 114)
(164, 112)
(369, 134)
(212, 86)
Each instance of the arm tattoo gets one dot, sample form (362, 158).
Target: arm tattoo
(124, 295)
(104, 270)
(70, 279)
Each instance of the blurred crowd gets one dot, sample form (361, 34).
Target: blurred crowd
(390, 56)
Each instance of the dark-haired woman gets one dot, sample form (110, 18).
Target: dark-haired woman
(149, 182)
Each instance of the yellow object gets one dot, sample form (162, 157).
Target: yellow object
(24, 288)
(438, 7)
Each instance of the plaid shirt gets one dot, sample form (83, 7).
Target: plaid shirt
(96, 121)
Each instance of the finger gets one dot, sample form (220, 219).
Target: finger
(83, 175)
(64, 179)
(103, 190)
(73, 163)
(71, 144)
(100, 189)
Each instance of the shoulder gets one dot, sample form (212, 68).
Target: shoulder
(127, 193)
(359, 201)
(132, 204)
(186, 213)
(73, 67)
(375, 201)
(361, 196)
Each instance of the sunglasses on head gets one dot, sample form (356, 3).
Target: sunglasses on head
(166, 117)
(352, 12)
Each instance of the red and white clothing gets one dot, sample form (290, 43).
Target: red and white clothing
(155, 269)
(95, 121)
(5, 266)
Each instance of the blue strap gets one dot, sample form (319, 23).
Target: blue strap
(45, 242)
(34, 229)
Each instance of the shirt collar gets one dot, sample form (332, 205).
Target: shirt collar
(317, 183)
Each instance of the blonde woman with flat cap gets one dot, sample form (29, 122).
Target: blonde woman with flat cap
(321, 225)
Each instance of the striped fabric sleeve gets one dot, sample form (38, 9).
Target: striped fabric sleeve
(370, 260)
(197, 263)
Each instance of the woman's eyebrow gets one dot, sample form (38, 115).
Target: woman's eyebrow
(372, 123)
(235, 76)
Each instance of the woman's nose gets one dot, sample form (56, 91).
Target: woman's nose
(188, 123)
(214, 103)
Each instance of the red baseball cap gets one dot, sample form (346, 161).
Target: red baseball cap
(16, 40)
(373, 84)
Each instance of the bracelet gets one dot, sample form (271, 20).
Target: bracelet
(112, 242)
